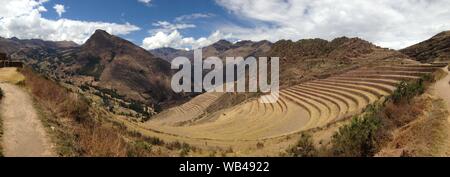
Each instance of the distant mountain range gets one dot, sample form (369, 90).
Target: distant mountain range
(220, 49)
(12, 45)
(310, 59)
(104, 61)
(112, 63)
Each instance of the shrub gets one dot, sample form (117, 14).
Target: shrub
(21, 83)
(138, 107)
(407, 90)
(111, 92)
(154, 141)
(173, 145)
(358, 139)
(1, 93)
(184, 152)
(259, 145)
(85, 87)
(428, 78)
(148, 139)
(304, 147)
(177, 145)
(139, 149)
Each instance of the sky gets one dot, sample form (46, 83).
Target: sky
(190, 24)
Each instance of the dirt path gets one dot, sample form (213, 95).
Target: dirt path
(442, 89)
(24, 135)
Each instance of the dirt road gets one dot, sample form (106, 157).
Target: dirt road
(24, 135)
(442, 90)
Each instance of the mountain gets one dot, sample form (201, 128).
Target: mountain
(309, 59)
(105, 63)
(221, 49)
(435, 49)
(127, 72)
(224, 49)
(169, 54)
(128, 69)
(13, 45)
(302, 60)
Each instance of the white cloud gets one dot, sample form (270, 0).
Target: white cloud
(176, 40)
(147, 2)
(167, 34)
(167, 27)
(23, 19)
(389, 23)
(193, 16)
(60, 9)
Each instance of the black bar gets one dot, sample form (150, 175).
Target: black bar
(277, 166)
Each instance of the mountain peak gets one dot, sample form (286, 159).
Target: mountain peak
(15, 39)
(223, 42)
(222, 45)
(102, 40)
(101, 32)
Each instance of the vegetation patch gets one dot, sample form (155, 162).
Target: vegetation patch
(419, 138)
(92, 68)
(372, 130)
(359, 138)
(112, 99)
(1, 126)
(304, 147)
(407, 90)
(80, 129)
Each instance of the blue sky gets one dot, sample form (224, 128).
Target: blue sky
(143, 15)
(190, 24)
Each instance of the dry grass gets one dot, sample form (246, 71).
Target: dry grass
(11, 75)
(404, 125)
(80, 131)
(403, 130)
(1, 127)
(427, 134)
(398, 115)
(230, 99)
(419, 137)
(101, 141)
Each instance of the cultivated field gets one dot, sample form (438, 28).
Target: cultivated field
(303, 107)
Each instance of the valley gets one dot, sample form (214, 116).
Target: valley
(324, 85)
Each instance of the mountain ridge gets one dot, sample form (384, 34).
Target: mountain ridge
(131, 70)
(221, 49)
(12, 45)
(437, 48)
